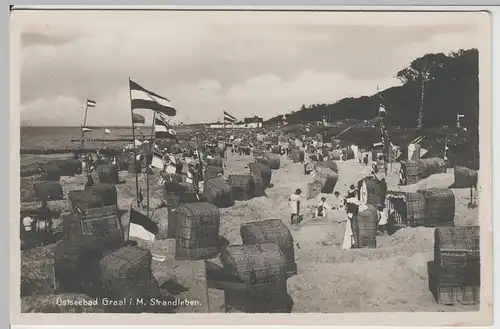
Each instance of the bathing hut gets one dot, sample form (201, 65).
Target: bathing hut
(405, 209)
(372, 191)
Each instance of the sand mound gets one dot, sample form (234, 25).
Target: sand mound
(392, 277)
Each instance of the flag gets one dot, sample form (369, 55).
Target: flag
(90, 103)
(137, 118)
(219, 278)
(141, 226)
(382, 112)
(163, 129)
(446, 148)
(157, 161)
(229, 118)
(145, 99)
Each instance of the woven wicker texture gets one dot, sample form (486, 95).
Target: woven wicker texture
(451, 294)
(48, 191)
(108, 174)
(126, 273)
(272, 230)
(263, 170)
(327, 177)
(184, 191)
(273, 160)
(439, 205)
(262, 268)
(76, 264)
(410, 172)
(374, 189)
(260, 186)
(464, 177)
(134, 166)
(348, 154)
(106, 192)
(313, 190)
(175, 178)
(68, 167)
(82, 200)
(213, 171)
(335, 155)
(215, 161)
(103, 222)
(57, 206)
(242, 187)
(123, 161)
(298, 156)
(405, 209)
(262, 160)
(365, 228)
(330, 164)
(257, 153)
(197, 231)
(220, 152)
(218, 192)
(431, 166)
(457, 256)
(51, 172)
(72, 227)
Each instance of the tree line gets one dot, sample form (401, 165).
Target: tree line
(449, 83)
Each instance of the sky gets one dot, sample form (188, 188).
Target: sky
(246, 63)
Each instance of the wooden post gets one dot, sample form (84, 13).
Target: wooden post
(135, 149)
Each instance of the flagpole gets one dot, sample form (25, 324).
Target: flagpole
(150, 153)
(135, 149)
(207, 298)
(84, 122)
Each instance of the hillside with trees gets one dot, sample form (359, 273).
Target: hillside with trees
(451, 87)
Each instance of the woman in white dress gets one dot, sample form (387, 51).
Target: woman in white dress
(353, 206)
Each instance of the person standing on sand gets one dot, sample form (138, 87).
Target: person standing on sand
(351, 193)
(382, 219)
(322, 208)
(339, 201)
(295, 206)
(90, 182)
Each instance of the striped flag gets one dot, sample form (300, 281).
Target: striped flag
(90, 103)
(146, 99)
(229, 118)
(163, 129)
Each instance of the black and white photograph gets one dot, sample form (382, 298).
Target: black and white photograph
(188, 161)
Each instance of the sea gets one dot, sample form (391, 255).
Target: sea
(61, 137)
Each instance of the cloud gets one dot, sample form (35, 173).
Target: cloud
(208, 63)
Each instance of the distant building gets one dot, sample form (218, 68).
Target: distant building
(236, 125)
(255, 119)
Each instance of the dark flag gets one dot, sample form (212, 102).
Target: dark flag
(141, 226)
